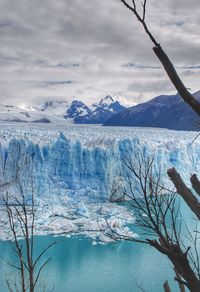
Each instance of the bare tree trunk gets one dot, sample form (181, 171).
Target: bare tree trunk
(184, 269)
(195, 183)
(21, 218)
(184, 191)
(178, 277)
(180, 262)
(175, 79)
(166, 287)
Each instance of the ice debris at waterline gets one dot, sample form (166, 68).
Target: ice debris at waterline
(67, 220)
(87, 161)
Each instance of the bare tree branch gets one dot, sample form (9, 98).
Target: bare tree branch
(21, 218)
(157, 213)
(164, 59)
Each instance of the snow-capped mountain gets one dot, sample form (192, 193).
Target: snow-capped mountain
(56, 106)
(62, 111)
(47, 112)
(164, 111)
(98, 113)
(20, 114)
(77, 109)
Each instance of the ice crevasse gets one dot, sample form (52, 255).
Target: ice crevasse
(91, 169)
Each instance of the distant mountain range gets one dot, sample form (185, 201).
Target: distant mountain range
(164, 111)
(61, 111)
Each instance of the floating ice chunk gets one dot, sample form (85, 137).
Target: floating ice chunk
(82, 211)
(105, 239)
(65, 220)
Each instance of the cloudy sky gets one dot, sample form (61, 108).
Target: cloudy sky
(67, 49)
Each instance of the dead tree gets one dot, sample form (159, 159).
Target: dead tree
(21, 218)
(157, 214)
(163, 58)
(191, 198)
(182, 189)
(185, 192)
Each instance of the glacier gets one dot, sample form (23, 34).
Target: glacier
(81, 161)
(73, 171)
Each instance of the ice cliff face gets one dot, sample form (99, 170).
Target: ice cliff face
(57, 169)
(74, 164)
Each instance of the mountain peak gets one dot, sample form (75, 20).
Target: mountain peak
(77, 103)
(76, 109)
(107, 100)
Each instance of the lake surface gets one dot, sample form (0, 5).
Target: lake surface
(79, 266)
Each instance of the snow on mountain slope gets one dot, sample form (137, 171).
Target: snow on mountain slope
(81, 161)
(48, 112)
(77, 109)
(55, 111)
(100, 113)
(53, 105)
(12, 113)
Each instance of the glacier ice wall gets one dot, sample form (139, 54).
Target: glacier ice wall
(69, 167)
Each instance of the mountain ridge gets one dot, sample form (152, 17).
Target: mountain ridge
(163, 111)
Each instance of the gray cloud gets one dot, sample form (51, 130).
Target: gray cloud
(45, 45)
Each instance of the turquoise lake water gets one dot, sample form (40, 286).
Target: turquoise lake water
(79, 266)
